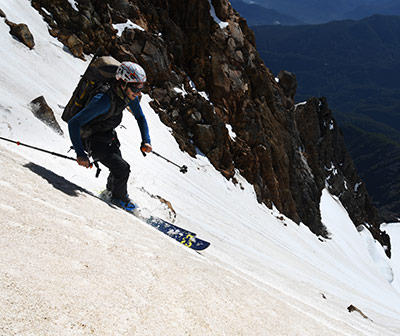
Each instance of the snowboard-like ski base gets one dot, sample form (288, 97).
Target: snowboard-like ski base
(183, 236)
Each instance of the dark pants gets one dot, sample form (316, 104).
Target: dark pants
(109, 155)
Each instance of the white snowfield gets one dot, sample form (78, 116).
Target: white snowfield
(72, 265)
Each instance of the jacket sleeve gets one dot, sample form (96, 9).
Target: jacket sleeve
(99, 104)
(141, 120)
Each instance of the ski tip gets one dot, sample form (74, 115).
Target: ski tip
(198, 245)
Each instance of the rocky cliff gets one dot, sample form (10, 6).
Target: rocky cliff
(206, 77)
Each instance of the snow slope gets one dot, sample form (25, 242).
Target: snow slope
(70, 264)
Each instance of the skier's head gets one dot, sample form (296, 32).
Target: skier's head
(131, 72)
(131, 77)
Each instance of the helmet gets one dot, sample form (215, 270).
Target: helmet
(131, 72)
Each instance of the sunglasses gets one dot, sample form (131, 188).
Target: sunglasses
(134, 87)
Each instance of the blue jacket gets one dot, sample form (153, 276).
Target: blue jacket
(100, 104)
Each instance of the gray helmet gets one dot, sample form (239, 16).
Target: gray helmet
(131, 72)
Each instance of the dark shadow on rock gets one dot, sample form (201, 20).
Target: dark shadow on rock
(57, 181)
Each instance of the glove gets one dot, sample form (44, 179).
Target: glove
(83, 161)
(145, 148)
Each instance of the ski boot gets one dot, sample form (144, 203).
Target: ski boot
(125, 204)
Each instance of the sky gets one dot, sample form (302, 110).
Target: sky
(71, 264)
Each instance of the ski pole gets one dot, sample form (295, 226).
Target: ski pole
(183, 169)
(39, 149)
(49, 152)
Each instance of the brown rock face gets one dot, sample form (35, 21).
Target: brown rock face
(43, 112)
(22, 33)
(288, 83)
(288, 153)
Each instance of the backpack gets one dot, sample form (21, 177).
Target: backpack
(99, 74)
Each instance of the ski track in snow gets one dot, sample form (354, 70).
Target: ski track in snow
(71, 264)
(68, 269)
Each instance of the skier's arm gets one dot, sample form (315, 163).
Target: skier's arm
(141, 120)
(99, 104)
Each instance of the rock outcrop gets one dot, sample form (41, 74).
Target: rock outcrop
(20, 31)
(205, 74)
(43, 112)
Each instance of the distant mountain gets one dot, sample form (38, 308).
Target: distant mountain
(356, 65)
(322, 11)
(257, 15)
(387, 8)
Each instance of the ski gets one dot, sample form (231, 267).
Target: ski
(158, 223)
(183, 236)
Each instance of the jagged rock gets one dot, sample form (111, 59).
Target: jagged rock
(43, 112)
(2, 14)
(75, 45)
(155, 61)
(121, 5)
(332, 166)
(84, 22)
(221, 9)
(161, 97)
(205, 137)
(192, 117)
(237, 34)
(288, 82)
(22, 33)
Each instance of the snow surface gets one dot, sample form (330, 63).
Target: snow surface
(70, 264)
(232, 134)
(74, 4)
(128, 25)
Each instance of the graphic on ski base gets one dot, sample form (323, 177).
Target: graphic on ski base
(183, 236)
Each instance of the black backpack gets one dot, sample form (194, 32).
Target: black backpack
(100, 72)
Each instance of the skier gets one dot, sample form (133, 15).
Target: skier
(93, 129)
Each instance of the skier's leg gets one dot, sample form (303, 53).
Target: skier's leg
(110, 156)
